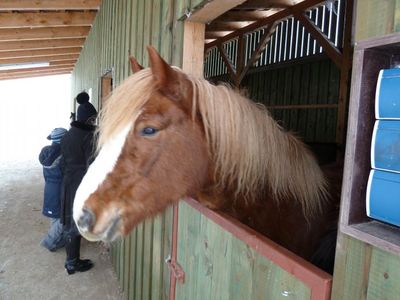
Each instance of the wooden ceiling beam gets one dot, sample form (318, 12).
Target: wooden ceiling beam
(225, 26)
(71, 62)
(41, 74)
(40, 52)
(237, 16)
(265, 4)
(17, 34)
(49, 5)
(285, 13)
(45, 19)
(35, 70)
(41, 44)
(21, 60)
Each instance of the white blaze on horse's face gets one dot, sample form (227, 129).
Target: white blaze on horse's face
(96, 174)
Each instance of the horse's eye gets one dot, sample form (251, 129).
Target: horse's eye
(148, 131)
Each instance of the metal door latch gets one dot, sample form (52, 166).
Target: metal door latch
(176, 269)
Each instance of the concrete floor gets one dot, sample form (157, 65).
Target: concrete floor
(28, 271)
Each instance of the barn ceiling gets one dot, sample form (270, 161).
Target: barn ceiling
(251, 15)
(43, 37)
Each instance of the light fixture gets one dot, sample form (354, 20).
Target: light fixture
(4, 67)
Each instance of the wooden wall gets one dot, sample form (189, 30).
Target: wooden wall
(376, 18)
(122, 27)
(363, 271)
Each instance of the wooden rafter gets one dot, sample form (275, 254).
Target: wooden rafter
(329, 47)
(282, 14)
(257, 52)
(237, 16)
(19, 60)
(228, 62)
(263, 4)
(41, 74)
(17, 34)
(36, 70)
(41, 44)
(45, 19)
(6, 5)
(40, 52)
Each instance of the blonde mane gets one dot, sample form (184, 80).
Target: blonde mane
(250, 150)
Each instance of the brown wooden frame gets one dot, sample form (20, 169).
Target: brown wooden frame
(369, 57)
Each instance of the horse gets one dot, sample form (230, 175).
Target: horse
(165, 135)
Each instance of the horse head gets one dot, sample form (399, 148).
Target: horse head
(151, 152)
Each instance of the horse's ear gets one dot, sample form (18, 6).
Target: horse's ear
(135, 66)
(166, 77)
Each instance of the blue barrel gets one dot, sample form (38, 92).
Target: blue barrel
(383, 197)
(385, 146)
(387, 99)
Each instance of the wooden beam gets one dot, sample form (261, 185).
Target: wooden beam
(345, 78)
(20, 60)
(215, 34)
(46, 19)
(225, 26)
(35, 70)
(6, 5)
(236, 16)
(211, 10)
(40, 52)
(263, 4)
(228, 63)
(22, 76)
(329, 47)
(41, 44)
(71, 62)
(257, 51)
(285, 13)
(16, 34)
(193, 53)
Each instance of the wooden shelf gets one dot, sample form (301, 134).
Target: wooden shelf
(370, 57)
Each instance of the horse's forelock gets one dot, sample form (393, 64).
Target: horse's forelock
(125, 105)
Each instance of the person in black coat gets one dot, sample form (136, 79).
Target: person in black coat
(50, 158)
(77, 148)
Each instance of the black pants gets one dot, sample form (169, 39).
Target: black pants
(72, 242)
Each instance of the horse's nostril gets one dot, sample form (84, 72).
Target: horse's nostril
(87, 219)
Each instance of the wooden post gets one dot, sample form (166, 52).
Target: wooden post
(344, 78)
(193, 45)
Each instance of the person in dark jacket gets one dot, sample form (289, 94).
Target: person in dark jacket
(77, 148)
(50, 158)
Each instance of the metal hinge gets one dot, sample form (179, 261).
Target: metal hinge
(176, 269)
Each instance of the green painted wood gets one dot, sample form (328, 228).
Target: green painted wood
(375, 18)
(219, 266)
(351, 269)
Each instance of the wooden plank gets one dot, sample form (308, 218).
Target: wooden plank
(42, 52)
(35, 70)
(352, 269)
(6, 5)
(157, 254)
(42, 74)
(384, 276)
(139, 262)
(147, 259)
(69, 58)
(16, 34)
(41, 44)
(374, 20)
(193, 44)
(46, 19)
(210, 10)
(130, 294)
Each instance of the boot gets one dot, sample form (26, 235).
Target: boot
(73, 263)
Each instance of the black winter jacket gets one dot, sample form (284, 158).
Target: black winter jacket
(77, 148)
